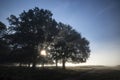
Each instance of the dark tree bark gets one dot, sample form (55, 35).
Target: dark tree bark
(20, 64)
(56, 63)
(34, 64)
(63, 63)
(28, 65)
(42, 65)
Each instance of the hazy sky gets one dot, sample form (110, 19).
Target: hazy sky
(97, 20)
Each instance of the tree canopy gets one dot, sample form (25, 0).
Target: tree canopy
(4, 47)
(35, 30)
(70, 46)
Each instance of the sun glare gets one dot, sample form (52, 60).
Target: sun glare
(43, 53)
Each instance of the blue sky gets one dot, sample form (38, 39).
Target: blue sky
(97, 20)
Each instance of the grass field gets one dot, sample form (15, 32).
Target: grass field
(50, 73)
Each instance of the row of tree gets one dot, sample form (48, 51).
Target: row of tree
(35, 30)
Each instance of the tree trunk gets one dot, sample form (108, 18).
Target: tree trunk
(20, 64)
(28, 64)
(63, 63)
(34, 64)
(56, 62)
(34, 57)
(42, 65)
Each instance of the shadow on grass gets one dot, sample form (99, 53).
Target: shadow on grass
(24, 73)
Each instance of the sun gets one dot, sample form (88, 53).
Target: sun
(43, 52)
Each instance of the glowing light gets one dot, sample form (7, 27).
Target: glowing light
(43, 53)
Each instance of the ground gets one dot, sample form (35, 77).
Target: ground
(52, 73)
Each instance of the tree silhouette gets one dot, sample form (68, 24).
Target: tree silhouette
(30, 29)
(35, 30)
(69, 46)
(4, 48)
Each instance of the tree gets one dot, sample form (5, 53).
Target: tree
(35, 30)
(32, 28)
(4, 48)
(69, 46)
